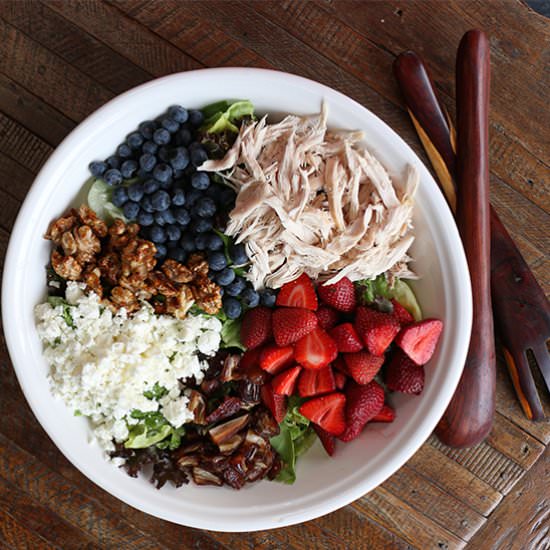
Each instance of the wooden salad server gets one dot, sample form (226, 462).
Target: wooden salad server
(520, 307)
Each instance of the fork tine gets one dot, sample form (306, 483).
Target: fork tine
(542, 355)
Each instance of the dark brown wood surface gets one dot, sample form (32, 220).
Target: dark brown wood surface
(61, 59)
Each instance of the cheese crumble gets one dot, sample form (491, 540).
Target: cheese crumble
(101, 363)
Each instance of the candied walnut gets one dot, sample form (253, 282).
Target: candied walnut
(207, 295)
(60, 226)
(87, 244)
(180, 304)
(68, 243)
(158, 283)
(177, 272)
(89, 218)
(198, 265)
(119, 236)
(122, 297)
(66, 266)
(92, 278)
(109, 264)
(138, 257)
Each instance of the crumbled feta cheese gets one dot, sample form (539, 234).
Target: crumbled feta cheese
(102, 365)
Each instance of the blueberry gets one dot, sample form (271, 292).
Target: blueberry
(225, 277)
(217, 261)
(268, 297)
(97, 168)
(179, 159)
(161, 136)
(150, 147)
(166, 185)
(120, 196)
(178, 197)
(198, 156)
(160, 200)
(112, 176)
(170, 124)
(131, 210)
(124, 151)
(163, 154)
(145, 219)
(178, 113)
(136, 191)
(158, 235)
(159, 218)
(214, 242)
(177, 254)
(250, 297)
(202, 225)
(178, 174)
(196, 118)
(150, 186)
(161, 251)
(182, 216)
(147, 128)
(192, 196)
(200, 241)
(146, 205)
(147, 161)
(128, 168)
(232, 307)
(236, 287)
(187, 242)
(113, 162)
(205, 207)
(134, 140)
(184, 136)
(200, 180)
(237, 253)
(162, 172)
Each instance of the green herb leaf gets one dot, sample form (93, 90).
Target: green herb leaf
(156, 393)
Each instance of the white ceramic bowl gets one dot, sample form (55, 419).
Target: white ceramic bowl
(323, 484)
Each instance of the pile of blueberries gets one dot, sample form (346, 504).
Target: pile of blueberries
(156, 183)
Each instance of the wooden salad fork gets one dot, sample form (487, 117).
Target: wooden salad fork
(521, 310)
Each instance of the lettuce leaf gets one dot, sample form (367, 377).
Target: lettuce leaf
(153, 429)
(231, 334)
(221, 116)
(99, 200)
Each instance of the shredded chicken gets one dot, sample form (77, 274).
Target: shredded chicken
(316, 201)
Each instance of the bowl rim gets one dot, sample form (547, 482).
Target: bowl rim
(61, 156)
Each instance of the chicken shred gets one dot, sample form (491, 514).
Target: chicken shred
(315, 201)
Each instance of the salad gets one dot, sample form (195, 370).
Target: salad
(233, 291)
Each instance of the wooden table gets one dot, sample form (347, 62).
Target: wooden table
(61, 60)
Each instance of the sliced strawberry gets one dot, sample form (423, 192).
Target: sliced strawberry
(327, 440)
(418, 340)
(327, 317)
(316, 350)
(249, 366)
(363, 403)
(285, 382)
(274, 402)
(316, 382)
(256, 327)
(402, 316)
(326, 411)
(362, 366)
(404, 375)
(377, 329)
(339, 365)
(340, 380)
(346, 338)
(274, 359)
(386, 414)
(298, 293)
(292, 323)
(340, 295)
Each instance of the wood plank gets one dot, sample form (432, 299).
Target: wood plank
(455, 480)
(19, 536)
(9, 210)
(17, 179)
(523, 518)
(403, 520)
(73, 44)
(4, 238)
(41, 520)
(429, 499)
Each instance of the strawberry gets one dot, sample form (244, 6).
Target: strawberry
(316, 382)
(292, 323)
(274, 359)
(249, 366)
(362, 366)
(363, 403)
(404, 375)
(274, 402)
(386, 414)
(418, 340)
(256, 327)
(340, 295)
(402, 316)
(298, 293)
(340, 380)
(328, 441)
(326, 411)
(346, 338)
(327, 317)
(315, 350)
(339, 365)
(284, 383)
(377, 329)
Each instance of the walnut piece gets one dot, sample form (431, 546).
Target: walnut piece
(89, 217)
(207, 295)
(177, 272)
(66, 266)
(60, 226)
